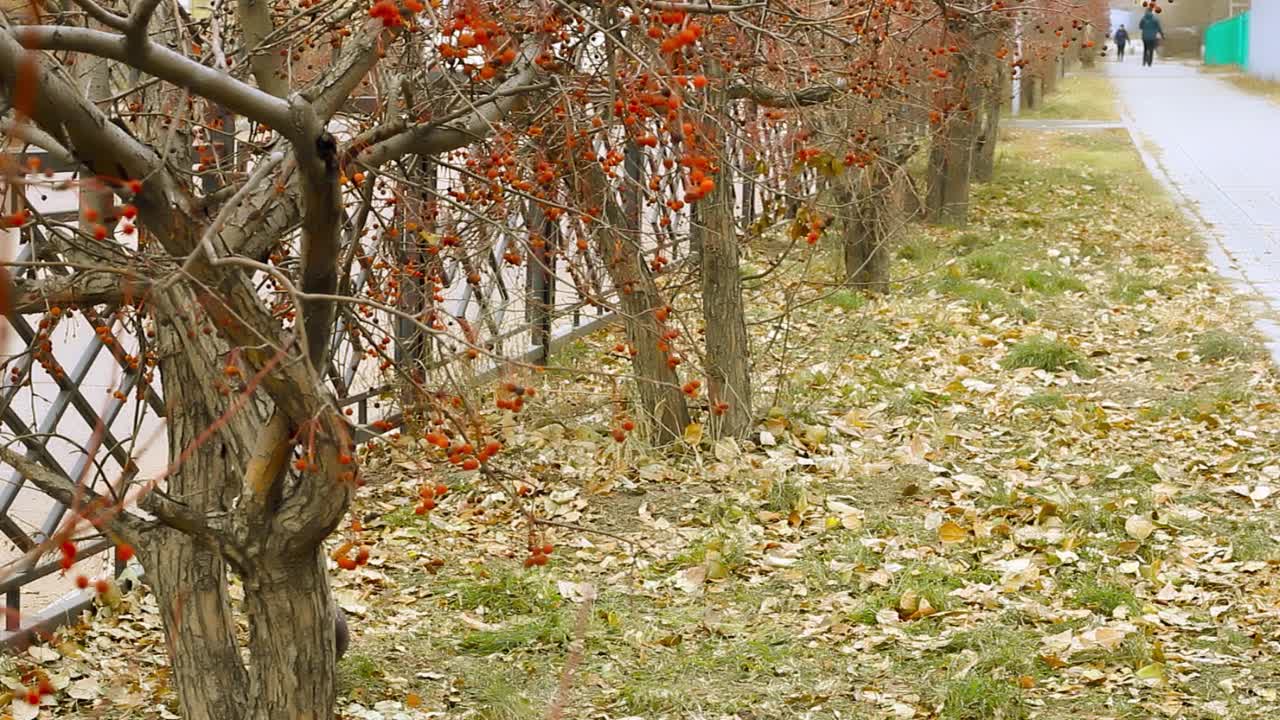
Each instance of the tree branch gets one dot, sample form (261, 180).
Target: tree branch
(83, 289)
(268, 68)
(35, 136)
(768, 97)
(103, 15)
(128, 526)
(451, 134)
(62, 111)
(165, 64)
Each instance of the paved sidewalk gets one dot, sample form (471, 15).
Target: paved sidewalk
(1219, 149)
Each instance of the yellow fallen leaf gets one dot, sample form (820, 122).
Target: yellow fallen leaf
(951, 533)
(1153, 672)
(693, 433)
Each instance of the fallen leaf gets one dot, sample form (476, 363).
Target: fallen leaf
(951, 533)
(1139, 527)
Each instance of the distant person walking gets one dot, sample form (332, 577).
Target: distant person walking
(1121, 38)
(1151, 34)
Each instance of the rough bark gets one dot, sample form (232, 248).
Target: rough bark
(728, 349)
(866, 216)
(951, 154)
(188, 578)
(294, 674)
(657, 383)
(984, 154)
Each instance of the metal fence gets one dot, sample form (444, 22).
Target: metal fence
(526, 314)
(1227, 42)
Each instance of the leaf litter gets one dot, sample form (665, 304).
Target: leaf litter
(920, 529)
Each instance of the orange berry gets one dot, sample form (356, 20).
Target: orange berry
(470, 464)
(102, 586)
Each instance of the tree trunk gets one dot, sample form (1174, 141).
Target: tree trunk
(950, 163)
(287, 599)
(728, 349)
(291, 638)
(865, 215)
(984, 154)
(657, 382)
(189, 580)
(951, 154)
(190, 586)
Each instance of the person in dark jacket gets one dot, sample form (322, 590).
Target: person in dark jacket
(1151, 35)
(1121, 38)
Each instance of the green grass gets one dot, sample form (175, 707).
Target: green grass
(985, 297)
(1218, 345)
(973, 697)
(1104, 596)
(497, 699)
(1046, 400)
(846, 300)
(1046, 354)
(549, 629)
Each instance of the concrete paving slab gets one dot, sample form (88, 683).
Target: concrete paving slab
(1217, 148)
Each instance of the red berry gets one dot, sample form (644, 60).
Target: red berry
(539, 559)
(82, 582)
(135, 186)
(45, 686)
(441, 489)
(129, 212)
(124, 553)
(102, 586)
(362, 555)
(33, 696)
(546, 549)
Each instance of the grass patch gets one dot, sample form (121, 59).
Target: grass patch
(549, 629)
(1046, 354)
(1103, 597)
(1263, 88)
(973, 697)
(1219, 345)
(984, 297)
(1082, 96)
(1049, 283)
(504, 595)
(497, 699)
(1046, 400)
(846, 300)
